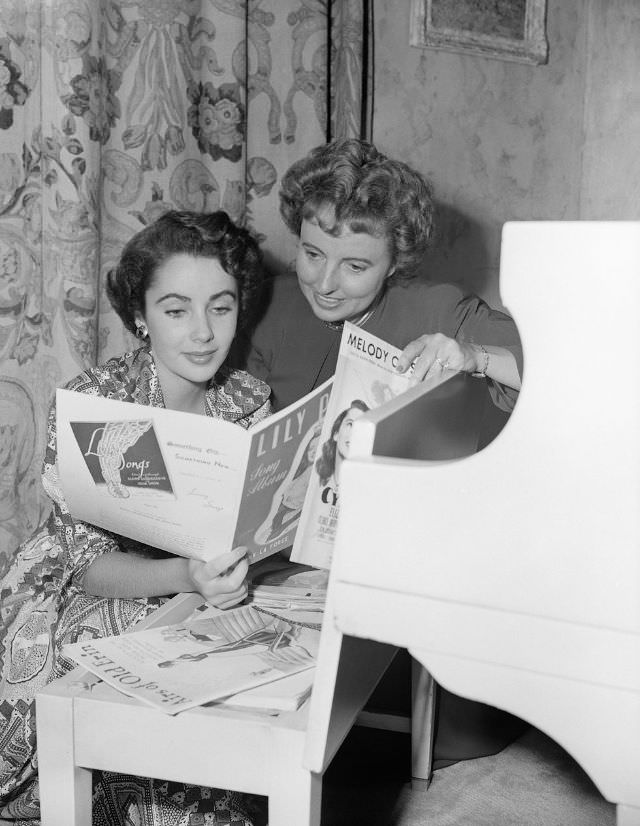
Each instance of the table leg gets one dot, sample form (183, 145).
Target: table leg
(65, 789)
(296, 799)
(295, 793)
(627, 815)
(423, 705)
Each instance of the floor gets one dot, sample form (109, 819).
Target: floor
(533, 782)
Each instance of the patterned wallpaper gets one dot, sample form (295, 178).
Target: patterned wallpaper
(110, 113)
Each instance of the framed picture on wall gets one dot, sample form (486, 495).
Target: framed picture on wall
(502, 29)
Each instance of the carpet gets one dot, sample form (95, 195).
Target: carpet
(532, 782)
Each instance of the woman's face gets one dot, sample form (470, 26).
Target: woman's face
(341, 276)
(343, 436)
(191, 311)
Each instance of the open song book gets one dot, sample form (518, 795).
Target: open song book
(195, 485)
(198, 486)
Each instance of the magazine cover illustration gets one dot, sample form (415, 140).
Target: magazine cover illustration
(365, 379)
(123, 456)
(212, 655)
(280, 469)
(185, 500)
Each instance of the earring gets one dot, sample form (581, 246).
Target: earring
(141, 330)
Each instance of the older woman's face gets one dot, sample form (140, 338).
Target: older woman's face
(341, 276)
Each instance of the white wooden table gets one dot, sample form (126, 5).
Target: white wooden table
(84, 724)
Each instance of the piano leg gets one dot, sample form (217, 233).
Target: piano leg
(627, 815)
(423, 709)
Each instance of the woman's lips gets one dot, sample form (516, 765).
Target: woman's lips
(327, 302)
(201, 358)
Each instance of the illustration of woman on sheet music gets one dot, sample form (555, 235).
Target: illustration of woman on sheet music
(273, 638)
(286, 506)
(335, 449)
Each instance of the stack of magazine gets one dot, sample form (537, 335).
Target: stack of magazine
(213, 655)
(288, 585)
(276, 585)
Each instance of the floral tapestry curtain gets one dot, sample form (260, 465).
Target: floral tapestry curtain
(114, 110)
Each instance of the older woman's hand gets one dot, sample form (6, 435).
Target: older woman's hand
(221, 581)
(431, 354)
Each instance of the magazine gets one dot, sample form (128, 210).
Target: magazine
(275, 582)
(278, 583)
(365, 379)
(191, 485)
(286, 694)
(212, 655)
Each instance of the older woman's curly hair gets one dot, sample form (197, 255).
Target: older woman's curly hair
(349, 183)
(202, 235)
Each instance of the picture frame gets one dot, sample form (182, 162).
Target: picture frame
(513, 30)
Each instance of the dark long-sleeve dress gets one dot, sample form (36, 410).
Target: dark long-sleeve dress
(293, 351)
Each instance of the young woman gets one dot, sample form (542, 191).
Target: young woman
(183, 286)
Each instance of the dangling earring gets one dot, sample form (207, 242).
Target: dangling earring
(141, 330)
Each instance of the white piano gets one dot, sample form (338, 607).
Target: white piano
(513, 575)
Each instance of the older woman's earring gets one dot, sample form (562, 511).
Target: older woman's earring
(141, 330)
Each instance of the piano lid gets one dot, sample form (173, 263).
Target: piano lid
(546, 520)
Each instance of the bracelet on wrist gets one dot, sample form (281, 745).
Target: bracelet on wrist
(482, 373)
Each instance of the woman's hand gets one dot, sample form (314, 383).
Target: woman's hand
(431, 354)
(221, 581)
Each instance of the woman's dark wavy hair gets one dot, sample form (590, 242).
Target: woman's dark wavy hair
(326, 462)
(365, 191)
(203, 235)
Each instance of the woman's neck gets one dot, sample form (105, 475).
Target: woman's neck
(187, 397)
(192, 401)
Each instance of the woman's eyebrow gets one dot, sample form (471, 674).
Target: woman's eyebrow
(186, 299)
(360, 258)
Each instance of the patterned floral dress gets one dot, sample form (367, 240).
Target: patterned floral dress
(43, 606)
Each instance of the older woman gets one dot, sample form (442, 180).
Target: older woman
(183, 286)
(364, 223)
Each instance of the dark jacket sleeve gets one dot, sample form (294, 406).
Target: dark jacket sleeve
(477, 323)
